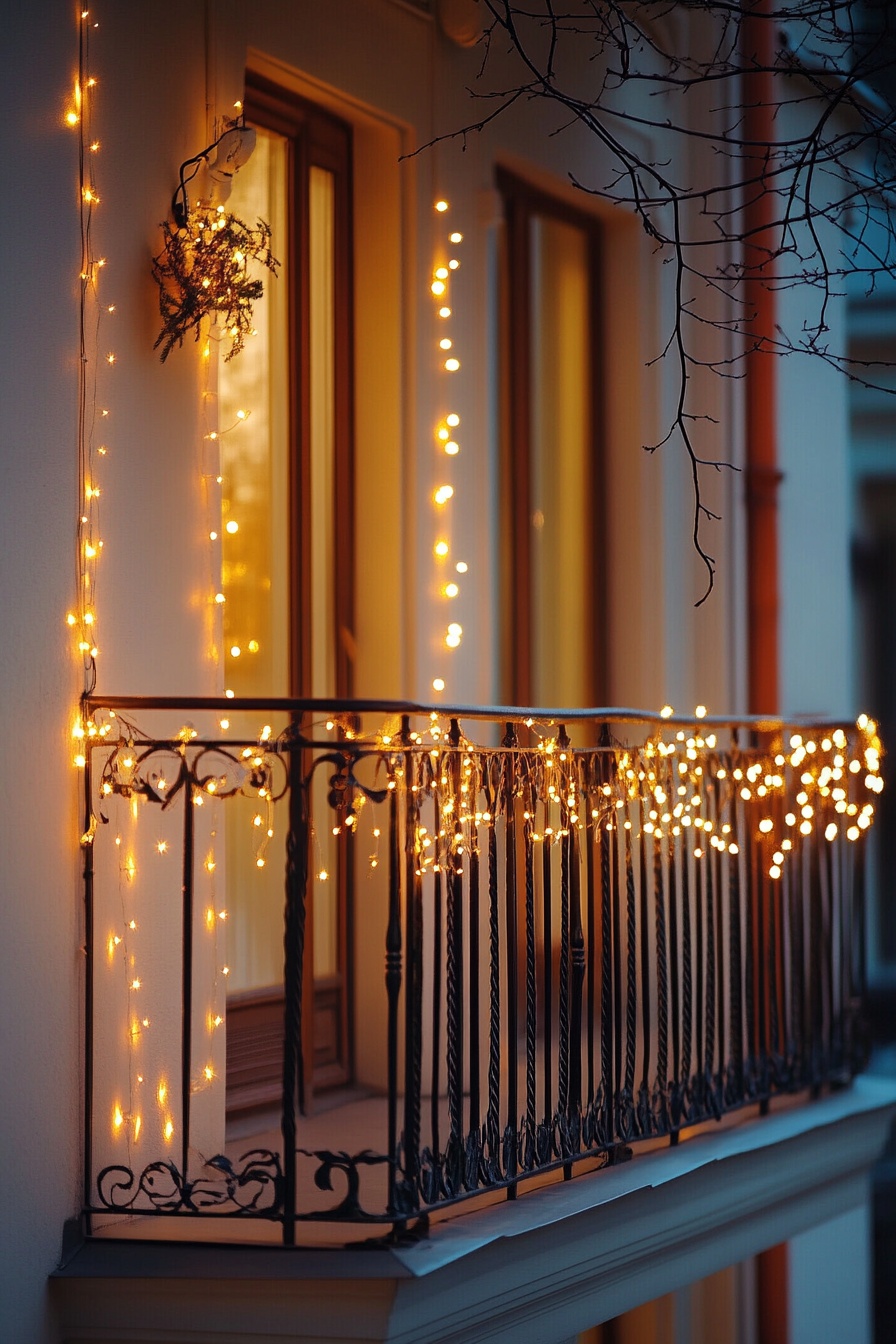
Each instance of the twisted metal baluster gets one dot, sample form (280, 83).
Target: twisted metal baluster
(631, 986)
(296, 883)
(710, 1039)
(700, 984)
(531, 997)
(824, 957)
(646, 1021)
(677, 1090)
(797, 987)
(510, 897)
(475, 961)
(577, 981)
(774, 906)
(749, 958)
(662, 989)
(564, 1044)
(413, 1002)
(435, 1085)
(618, 1011)
(454, 975)
(687, 969)
(606, 980)
(722, 989)
(393, 989)
(186, 1046)
(735, 988)
(493, 1112)
(591, 831)
(547, 898)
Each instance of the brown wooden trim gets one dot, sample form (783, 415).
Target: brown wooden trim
(317, 139)
(522, 202)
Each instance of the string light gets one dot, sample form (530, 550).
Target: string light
(446, 438)
(81, 619)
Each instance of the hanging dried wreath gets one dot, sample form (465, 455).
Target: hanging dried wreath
(202, 271)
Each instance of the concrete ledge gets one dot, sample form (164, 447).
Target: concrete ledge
(555, 1262)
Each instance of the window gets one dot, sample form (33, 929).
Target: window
(553, 543)
(286, 415)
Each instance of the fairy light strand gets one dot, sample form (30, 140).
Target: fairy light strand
(448, 570)
(91, 444)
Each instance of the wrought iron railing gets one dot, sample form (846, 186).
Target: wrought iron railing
(601, 928)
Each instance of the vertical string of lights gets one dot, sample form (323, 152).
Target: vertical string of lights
(82, 618)
(448, 568)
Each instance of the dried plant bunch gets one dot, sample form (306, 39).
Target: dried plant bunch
(203, 271)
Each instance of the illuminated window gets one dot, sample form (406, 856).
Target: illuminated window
(285, 411)
(553, 543)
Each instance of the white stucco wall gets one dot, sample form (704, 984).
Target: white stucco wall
(40, 930)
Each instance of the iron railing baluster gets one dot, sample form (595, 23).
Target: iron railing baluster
(682, 984)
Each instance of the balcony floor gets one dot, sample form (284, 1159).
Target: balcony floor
(345, 1122)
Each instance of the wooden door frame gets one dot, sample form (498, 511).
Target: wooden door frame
(316, 138)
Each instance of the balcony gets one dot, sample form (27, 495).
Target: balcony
(576, 935)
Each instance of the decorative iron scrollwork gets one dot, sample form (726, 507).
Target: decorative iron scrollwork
(348, 1165)
(254, 1186)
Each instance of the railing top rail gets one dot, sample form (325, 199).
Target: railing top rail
(510, 713)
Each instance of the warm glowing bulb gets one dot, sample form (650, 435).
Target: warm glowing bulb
(444, 311)
(440, 548)
(461, 567)
(438, 684)
(455, 238)
(453, 419)
(451, 590)
(438, 288)
(441, 206)
(452, 365)
(443, 494)
(232, 526)
(451, 448)
(219, 598)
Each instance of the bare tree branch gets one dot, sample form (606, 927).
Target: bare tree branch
(826, 176)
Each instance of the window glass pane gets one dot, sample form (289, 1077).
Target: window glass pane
(321, 342)
(561, 523)
(254, 453)
(255, 564)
